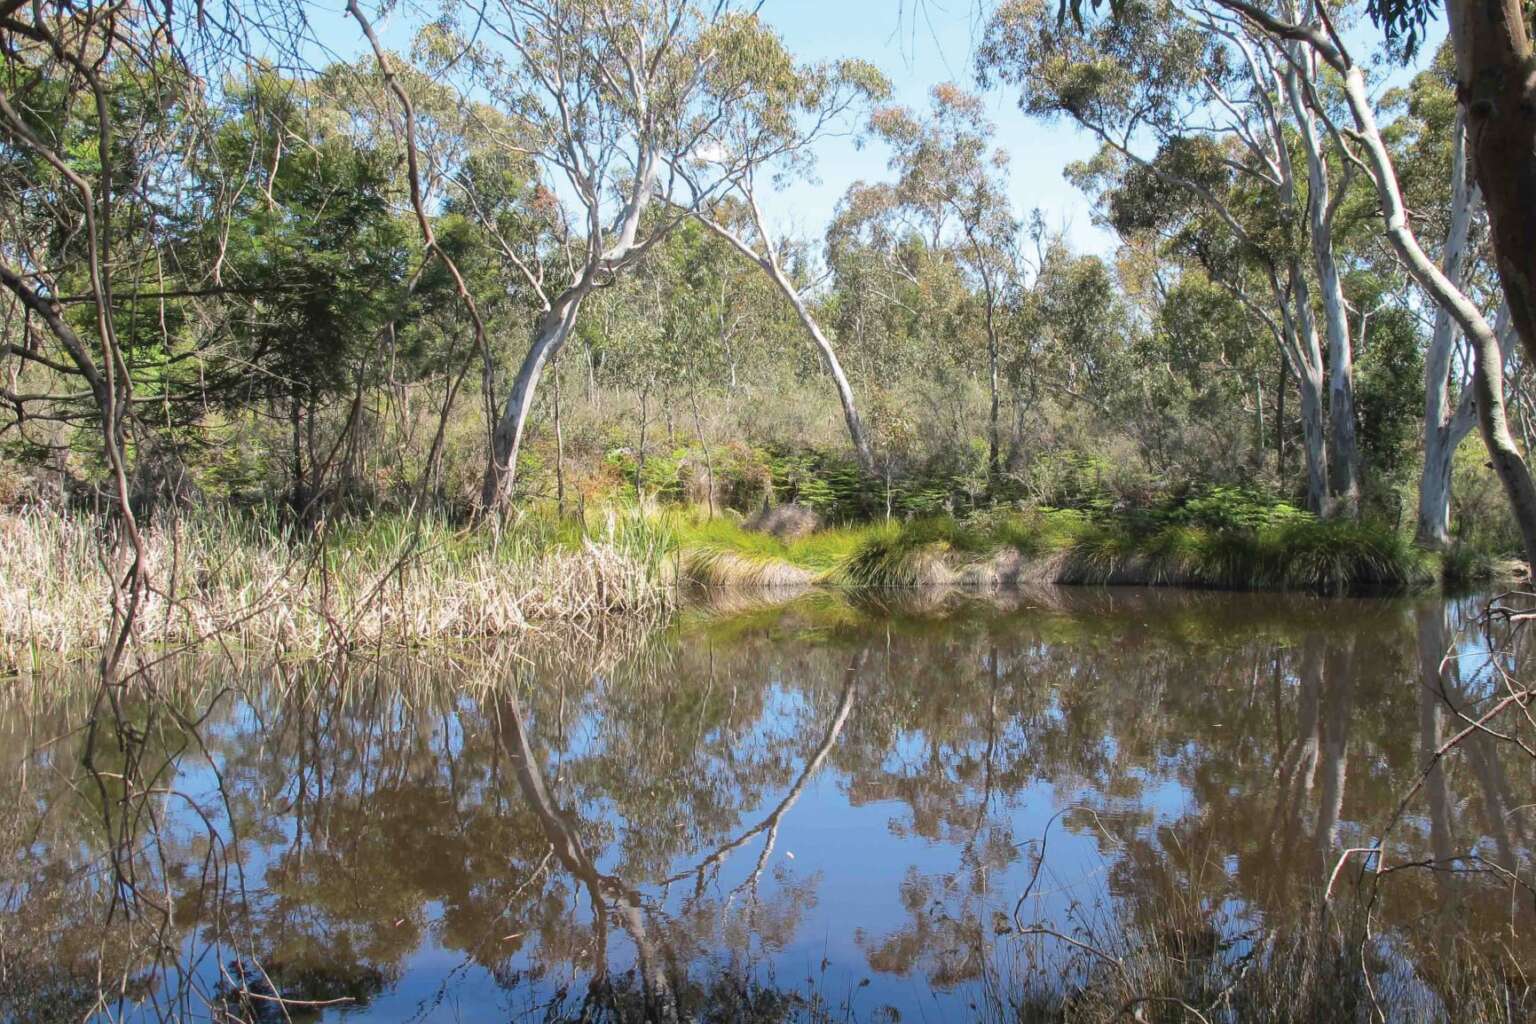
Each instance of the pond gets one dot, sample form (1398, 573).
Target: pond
(938, 808)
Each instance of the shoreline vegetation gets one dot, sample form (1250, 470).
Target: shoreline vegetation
(240, 577)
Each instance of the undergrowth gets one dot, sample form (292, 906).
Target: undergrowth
(390, 578)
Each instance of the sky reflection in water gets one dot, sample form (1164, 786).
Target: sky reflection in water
(841, 800)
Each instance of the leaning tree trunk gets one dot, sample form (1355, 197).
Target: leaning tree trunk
(1490, 39)
(855, 426)
(770, 266)
(554, 327)
(1444, 428)
(1488, 359)
(1496, 84)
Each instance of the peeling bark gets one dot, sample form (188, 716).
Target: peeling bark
(1496, 86)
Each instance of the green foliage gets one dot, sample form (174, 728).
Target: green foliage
(820, 552)
(1298, 553)
(1234, 508)
(1480, 517)
(312, 237)
(1389, 392)
(1222, 537)
(298, 330)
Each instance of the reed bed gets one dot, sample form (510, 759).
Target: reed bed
(389, 579)
(386, 581)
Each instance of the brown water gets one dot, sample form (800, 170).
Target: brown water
(823, 811)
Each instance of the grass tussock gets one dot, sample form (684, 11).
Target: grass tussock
(722, 568)
(1327, 557)
(1467, 565)
(1068, 547)
(721, 552)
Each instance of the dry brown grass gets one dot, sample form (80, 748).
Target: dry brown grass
(212, 579)
(722, 568)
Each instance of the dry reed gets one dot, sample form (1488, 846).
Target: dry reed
(243, 583)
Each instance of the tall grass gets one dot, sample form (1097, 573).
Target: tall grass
(1299, 554)
(1327, 557)
(719, 552)
(382, 580)
(393, 579)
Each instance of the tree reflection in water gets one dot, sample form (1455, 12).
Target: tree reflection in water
(806, 812)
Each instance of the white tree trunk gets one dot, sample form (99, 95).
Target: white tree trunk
(1314, 439)
(855, 426)
(770, 266)
(1488, 356)
(1488, 361)
(1343, 445)
(1443, 429)
(554, 328)
(1440, 444)
(1307, 363)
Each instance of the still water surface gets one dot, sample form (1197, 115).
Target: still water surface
(840, 801)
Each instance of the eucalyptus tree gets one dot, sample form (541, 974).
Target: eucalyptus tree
(1496, 89)
(1366, 145)
(1188, 104)
(952, 186)
(1494, 86)
(1299, 74)
(772, 133)
(1429, 141)
(1087, 331)
(616, 103)
(904, 314)
(1193, 367)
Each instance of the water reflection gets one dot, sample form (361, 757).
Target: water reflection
(806, 812)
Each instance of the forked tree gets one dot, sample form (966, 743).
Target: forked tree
(618, 103)
(1193, 109)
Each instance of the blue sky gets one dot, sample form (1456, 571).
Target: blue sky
(918, 44)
